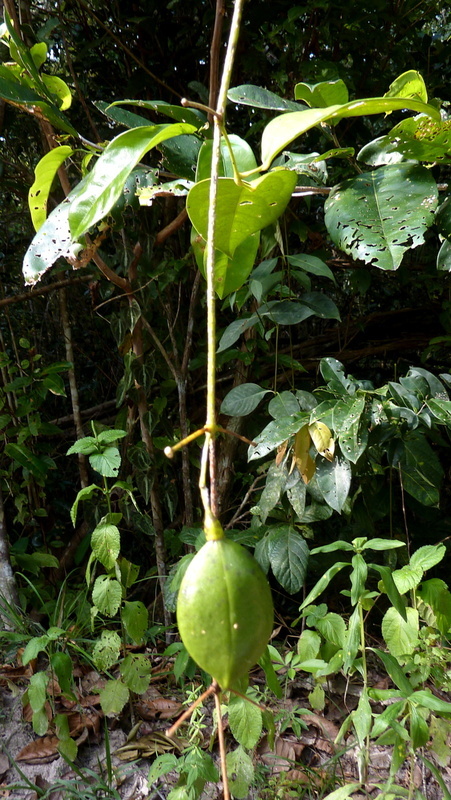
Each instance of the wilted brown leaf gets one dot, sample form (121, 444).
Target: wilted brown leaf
(40, 751)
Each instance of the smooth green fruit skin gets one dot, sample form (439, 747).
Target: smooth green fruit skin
(225, 611)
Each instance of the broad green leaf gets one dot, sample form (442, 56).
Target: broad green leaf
(236, 328)
(112, 435)
(241, 209)
(443, 218)
(275, 433)
(54, 384)
(365, 218)
(60, 89)
(401, 636)
(321, 305)
(161, 766)
(420, 139)
(135, 671)
(242, 152)
(37, 694)
(309, 644)
(135, 618)
(107, 595)
(35, 646)
(113, 697)
(240, 769)
(435, 593)
(311, 264)
(270, 674)
(107, 650)
(245, 721)
(38, 53)
(243, 399)
(105, 183)
(340, 544)
(44, 175)
(333, 628)
(229, 273)
(322, 95)
(409, 84)
(106, 544)
(284, 129)
(407, 578)
(283, 404)
(255, 96)
(421, 471)
(106, 463)
(334, 481)
(354, 440)
(288, 555)
(333, 372)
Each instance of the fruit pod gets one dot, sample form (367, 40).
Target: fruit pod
(225, 610)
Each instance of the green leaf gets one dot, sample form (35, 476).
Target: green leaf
(179, 113)
(421, 471)
(271, 678)
(243, 399)
(366, 219)
(106, 544)
(401, 636)
(283, 404)
(362, 718)
(37, 690)
(111, 435)
(107, 650)
(20, 453)
(135, 670)
(323, 583)
(241, 210)
(107, 595)
(333, 628)
(390, 588)
(425, 698)
(113, 697)
(52, 241)
(419, 728)
(135, 618)
(245, 720)
(162, 765)
(44, 175)
(240, 770)
(352, 641)
(35, 646)
(245, 160)
(440, 409)
(322, 95)
(229, 273)
(288, 555)
(309, 644)
(334, 481)
(343, 792)
(435, 593)
(105, 183)
(276, 480)
(84, 494)
(409, 84)
(106, 463)
(359, 575)
(255, 96)
(275, 433)
(284, 129)
(407, 578)
(62, 665)
(382, 544)
(19, 94)
(311, 264)
(394, 670)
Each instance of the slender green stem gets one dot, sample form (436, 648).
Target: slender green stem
(210, 424)
(236, 173)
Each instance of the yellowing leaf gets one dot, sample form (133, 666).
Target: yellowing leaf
(322, 439)
(301, 456)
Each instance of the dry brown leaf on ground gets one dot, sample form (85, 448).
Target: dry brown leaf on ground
(150, 745)
(152, 705)
(40, 751)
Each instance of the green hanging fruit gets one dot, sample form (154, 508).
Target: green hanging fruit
(224, 610)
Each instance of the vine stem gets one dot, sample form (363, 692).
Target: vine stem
(218, 123)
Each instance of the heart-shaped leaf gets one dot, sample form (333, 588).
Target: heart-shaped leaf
(240, 209)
